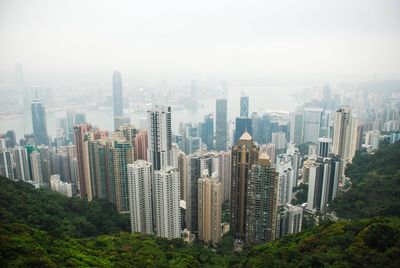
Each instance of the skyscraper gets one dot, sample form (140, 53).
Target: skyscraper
(221, 122)
(6, 168)
(37, 174)
(244, 106)
(285, 171)
(224, 174)
(279, 140)
(20, 155)
(242, 125)
(261, 128)
(345, 136)
(141, 145)
(140, 177)
(296, 128)
(159, 136)
(117, 94)
(262, 202)
(39, 122)
(167, 214)
(70, 126)
(196, 164)
(324, 175)
(312, 124)
(122, 156)
(102, 169)
(82, 138)
(244, 155)
(324, 146)
(290, 220)
(207, 131)
(210, 201)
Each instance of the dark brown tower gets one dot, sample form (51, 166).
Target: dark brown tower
(244, 155)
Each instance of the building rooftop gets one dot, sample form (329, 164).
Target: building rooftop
(246, 136)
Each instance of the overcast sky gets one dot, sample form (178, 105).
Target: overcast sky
(207, 36)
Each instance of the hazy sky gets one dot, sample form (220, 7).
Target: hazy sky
(206, 37)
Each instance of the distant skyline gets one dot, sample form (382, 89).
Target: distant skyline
(185, 39)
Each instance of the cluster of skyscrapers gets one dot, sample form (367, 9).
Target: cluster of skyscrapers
(175, 183)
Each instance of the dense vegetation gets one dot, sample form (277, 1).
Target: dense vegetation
(39, 228)
(375, 187)
(361, 243)
(56, 214)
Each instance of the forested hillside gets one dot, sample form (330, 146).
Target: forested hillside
(376, 185)
(56, 214)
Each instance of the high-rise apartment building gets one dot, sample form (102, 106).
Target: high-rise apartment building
(122, 156)
(210, 201)
(345, 136)
(224, 174)
(83, 134)
(140, 177)
(221, 124)
(323, 181)
(20, 156)
(262, 202)
(290, 220)
(6, 168)
(244, 155)
(57, 185)
(159, 136)
(101, 161)
(167, 215)
(312, 124)
(36, 167)
(279, 140)
(296, 128)
(196, 164)
(285, 171)
(141, 145)
(324, 146)
(39, 122)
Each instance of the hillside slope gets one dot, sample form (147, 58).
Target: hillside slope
(376, 185)
(59, 215)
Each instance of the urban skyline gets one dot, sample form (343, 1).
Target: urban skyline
(264, 134)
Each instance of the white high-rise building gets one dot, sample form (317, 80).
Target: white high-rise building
(140, 176)
(323, 183)
(167, 214)
(279, 140)
(285, 171)
(289, 220)
(6, 168)
(324, 146)
(345, 136)
(57, 185)
(372, 139)
(36, 165)
(312, 124)
(20, 156)
(210, 201)
(159, 136)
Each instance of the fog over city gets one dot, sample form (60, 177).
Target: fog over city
(190, 39)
